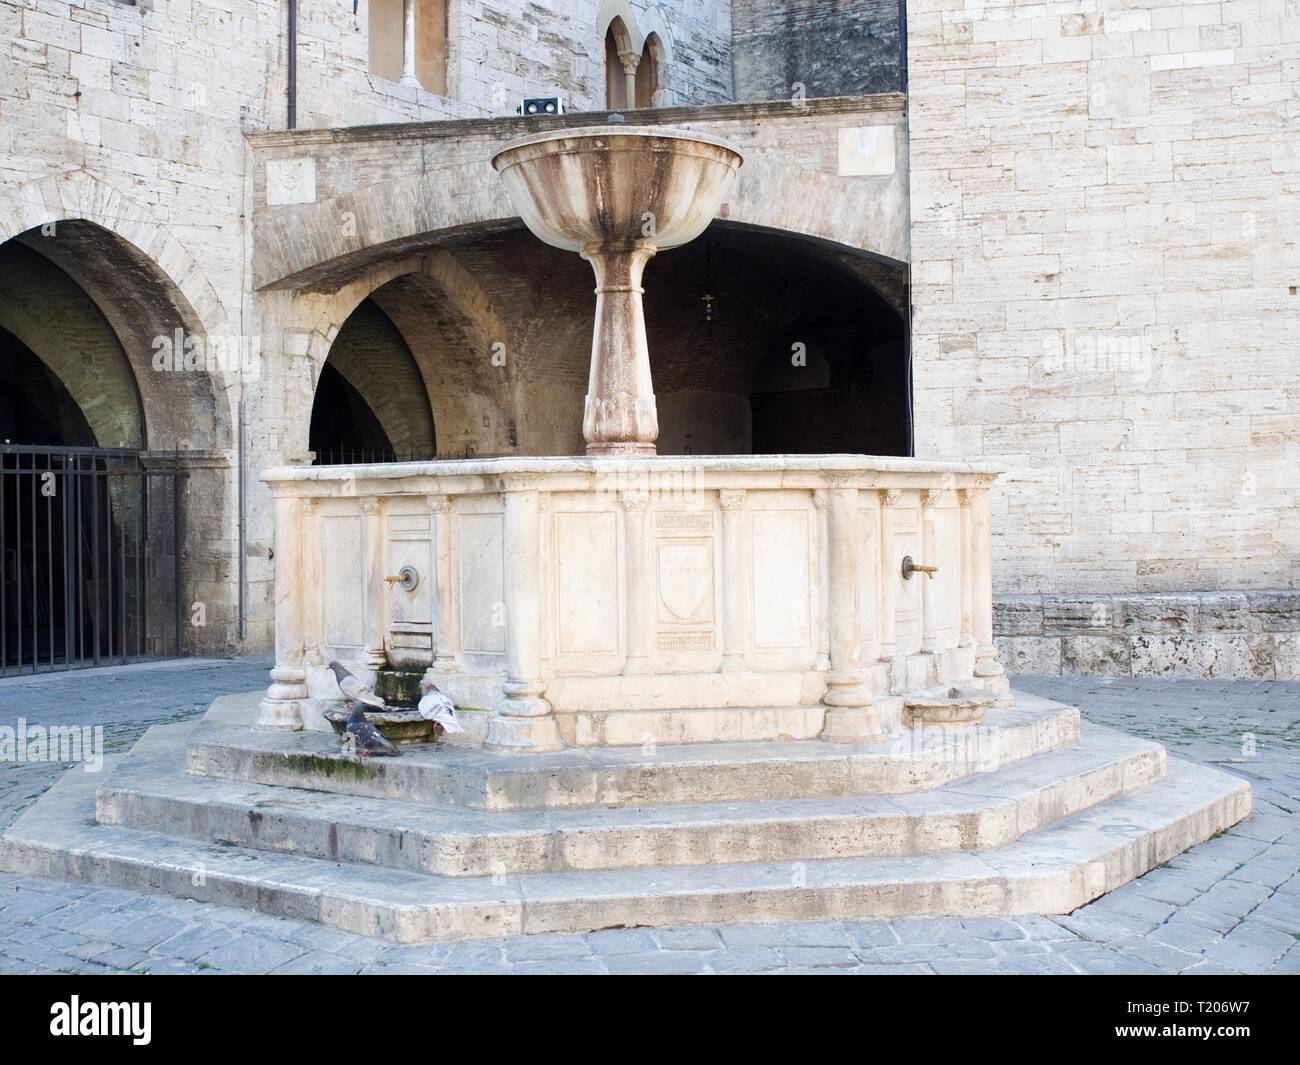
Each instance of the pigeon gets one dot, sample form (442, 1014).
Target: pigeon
(352, 687)
(436, 707)
(369, 740)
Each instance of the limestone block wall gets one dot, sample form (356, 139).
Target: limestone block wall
(1106, 280)
(785, 48)
(1205, 634)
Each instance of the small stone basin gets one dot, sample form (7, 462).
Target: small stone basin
(946, 706)
(403, 727)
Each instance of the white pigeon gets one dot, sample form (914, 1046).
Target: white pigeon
(435, 706)
(351, 686)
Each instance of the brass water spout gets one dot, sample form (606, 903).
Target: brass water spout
(910, 567)
(407, 578)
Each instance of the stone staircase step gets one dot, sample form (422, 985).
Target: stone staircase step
(455, 775)
(150, 791)
(1054, 870)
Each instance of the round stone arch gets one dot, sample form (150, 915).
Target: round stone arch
(50, 315)
(458, 344)
(612, 13)
(147, 287)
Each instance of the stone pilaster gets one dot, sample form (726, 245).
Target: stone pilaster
(733, 592)
(820, 503)
(523, 721)
(986, 652)
(888, 573)
(929, 592)
(636, 571)
(967, 576)
(376, 589)
(850, 715)
(282, 709)
(444, 658)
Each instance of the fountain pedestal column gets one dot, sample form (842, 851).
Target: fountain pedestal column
(616, 196)
(619, 416)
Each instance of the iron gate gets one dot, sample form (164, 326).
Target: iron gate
(89, 557)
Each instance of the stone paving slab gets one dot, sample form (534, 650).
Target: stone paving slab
(1251, 728)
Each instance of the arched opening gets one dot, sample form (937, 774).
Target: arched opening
(89, 551)
(431, 43)
(35, 406)
(649, 73)
(388, 57)
(720, 313)
(618, 42)
(60, 339)
(370, 403)
(827, 385)
(385, 38)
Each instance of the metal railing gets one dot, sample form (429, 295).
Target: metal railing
(90, 557)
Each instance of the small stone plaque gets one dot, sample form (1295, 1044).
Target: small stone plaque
(684, 641)
(290, 181)
(683, 521)
(867, 151)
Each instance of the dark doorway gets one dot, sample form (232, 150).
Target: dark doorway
(831, 385)
(343, 427)
(371, 404)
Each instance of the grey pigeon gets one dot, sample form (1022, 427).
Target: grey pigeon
(351, 686)
(369, 740)
(435, 706)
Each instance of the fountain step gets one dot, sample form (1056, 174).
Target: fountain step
(458, 775)
(151, 792)
(1051, 871)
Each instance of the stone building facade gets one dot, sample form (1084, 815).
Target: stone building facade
(1085, 212)
(1106, 282)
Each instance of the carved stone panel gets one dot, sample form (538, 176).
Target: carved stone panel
(586, 583)
(482, 583)
(781, 600)
(344, 587)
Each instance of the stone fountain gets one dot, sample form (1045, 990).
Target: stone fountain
(737, 687)
(616, 196)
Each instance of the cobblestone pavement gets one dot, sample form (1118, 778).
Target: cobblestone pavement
(1231, 905)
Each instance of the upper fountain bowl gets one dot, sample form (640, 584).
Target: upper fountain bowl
(575, 188)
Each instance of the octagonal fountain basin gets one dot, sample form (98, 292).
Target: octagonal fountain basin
(946, 706)
(575, 188)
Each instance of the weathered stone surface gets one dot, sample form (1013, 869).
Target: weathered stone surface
(1031, 655)
(1206, 634)
(1106, 656)
(1016, 615)
(1206, 656)
(1278, 611)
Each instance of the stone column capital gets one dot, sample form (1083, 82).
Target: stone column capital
(731, 499)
